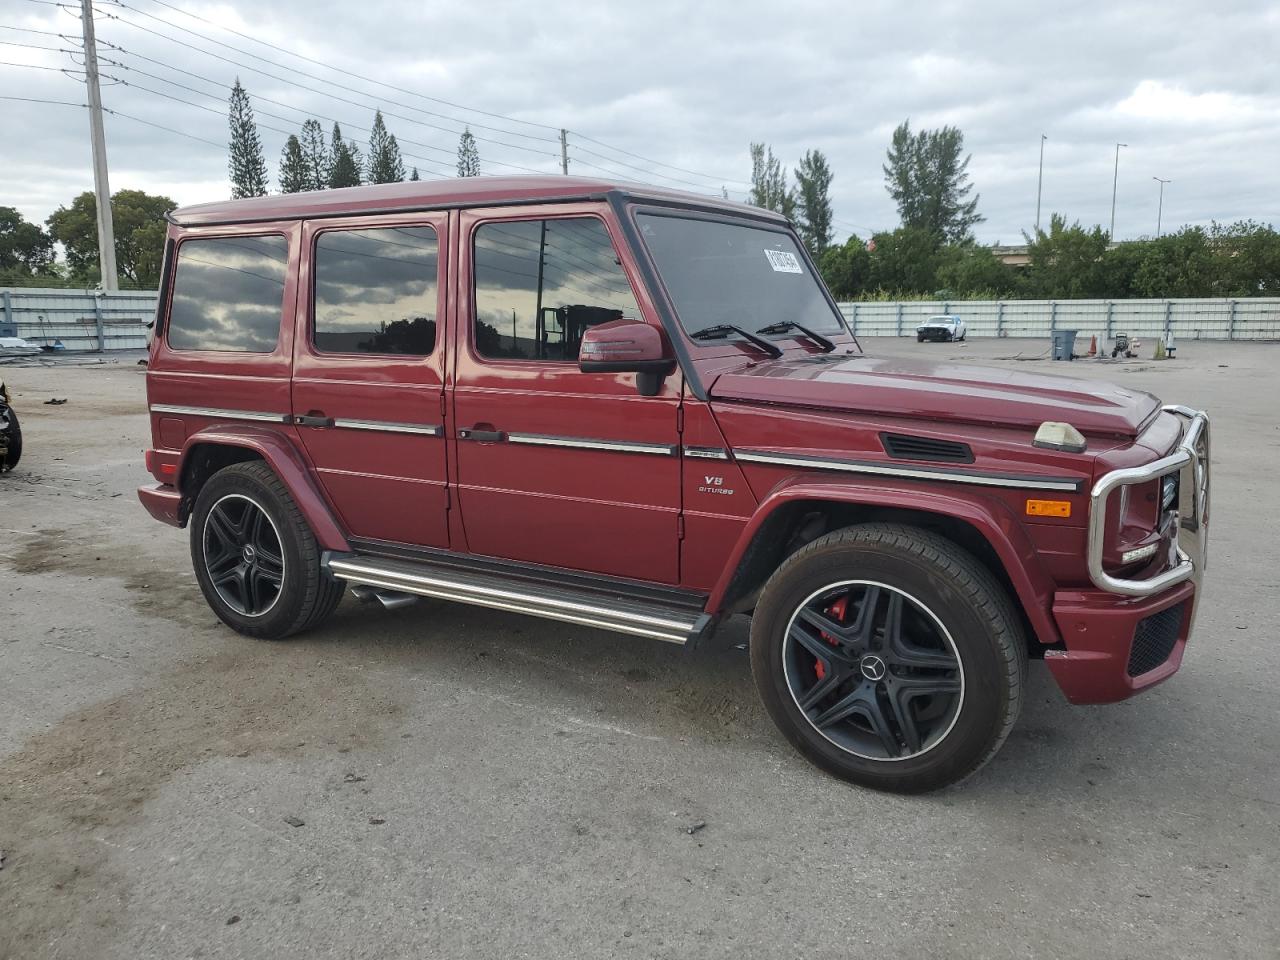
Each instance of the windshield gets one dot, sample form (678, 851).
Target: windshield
(718, 272)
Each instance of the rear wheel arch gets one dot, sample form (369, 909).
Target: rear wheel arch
(201, 461)
(794, 523)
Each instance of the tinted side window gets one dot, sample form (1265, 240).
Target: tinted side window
(540, 283)
(376, 291)
(228, 293)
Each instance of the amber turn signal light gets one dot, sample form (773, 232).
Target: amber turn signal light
(1048, 508)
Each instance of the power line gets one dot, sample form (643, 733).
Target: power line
(648, 171)
(312, 76)
(158, 126)
(389, 86)
(669, 166)
(303, 86)
(61, 103)
(274, 116)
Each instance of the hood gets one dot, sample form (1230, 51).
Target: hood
(956, 392)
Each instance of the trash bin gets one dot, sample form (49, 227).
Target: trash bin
(1064, 344)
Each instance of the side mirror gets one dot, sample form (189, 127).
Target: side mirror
(627, 346)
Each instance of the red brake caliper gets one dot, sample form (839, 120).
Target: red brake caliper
(836, 612)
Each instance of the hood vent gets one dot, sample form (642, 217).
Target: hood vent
(901, 446)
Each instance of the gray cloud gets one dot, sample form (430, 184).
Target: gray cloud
(1190, 87)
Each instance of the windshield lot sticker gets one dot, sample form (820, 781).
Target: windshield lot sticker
(783, 262)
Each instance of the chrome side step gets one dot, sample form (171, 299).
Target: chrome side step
(589, 608)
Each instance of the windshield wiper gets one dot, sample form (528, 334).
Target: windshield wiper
(721, 330)
(782, 326)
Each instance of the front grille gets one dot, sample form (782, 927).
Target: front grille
(1154, 639)
(902, 446)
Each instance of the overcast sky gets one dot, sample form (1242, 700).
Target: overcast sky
(1192, 88)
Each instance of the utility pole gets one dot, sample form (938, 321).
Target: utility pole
(101, 189)
(564, 151)
(1160, 208)
(1040, 181)
(1115, 179)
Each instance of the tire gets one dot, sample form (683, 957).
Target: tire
(919, 338)
(15, 442)
(276, 586)
(947, 692)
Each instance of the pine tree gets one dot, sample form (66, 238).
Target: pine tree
(929, 182)
(813, 177)
(247, 166)
(414, 174)
(468, 155)
(293, 167)
(315, 154)
(769, 182)
(385, 165)
(344, 165)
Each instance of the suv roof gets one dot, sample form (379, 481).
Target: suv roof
(435, 194)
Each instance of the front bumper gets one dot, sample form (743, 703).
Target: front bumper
(1128, 635)
(1119, 647)
(163, 502)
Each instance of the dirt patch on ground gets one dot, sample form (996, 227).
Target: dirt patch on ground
(94, 771)
(155, 590)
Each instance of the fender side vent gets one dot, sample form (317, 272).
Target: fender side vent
(901, 446)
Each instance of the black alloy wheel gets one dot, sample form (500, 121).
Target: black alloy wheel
(873, 670)
(243, 555)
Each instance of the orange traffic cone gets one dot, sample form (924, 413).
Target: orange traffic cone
(1093, 345)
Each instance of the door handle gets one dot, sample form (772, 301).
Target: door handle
(482, 436)
(313, 419)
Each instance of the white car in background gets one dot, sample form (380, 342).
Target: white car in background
(946, 327)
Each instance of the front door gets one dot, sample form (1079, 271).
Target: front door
(556, 466)
(368, 374)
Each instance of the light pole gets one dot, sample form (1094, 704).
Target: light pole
(1040, 181)
(1115, 179)
(1160, 208)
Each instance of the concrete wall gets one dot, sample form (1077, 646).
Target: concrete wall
(1253, 318)
(81, 320)
(117, 321)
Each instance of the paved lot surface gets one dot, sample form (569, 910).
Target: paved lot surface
(479, 784)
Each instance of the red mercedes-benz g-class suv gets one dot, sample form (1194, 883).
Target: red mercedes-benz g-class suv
(640, 410)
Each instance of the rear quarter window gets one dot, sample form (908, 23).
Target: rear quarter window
(228, 293)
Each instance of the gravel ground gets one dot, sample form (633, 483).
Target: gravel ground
(472, 783)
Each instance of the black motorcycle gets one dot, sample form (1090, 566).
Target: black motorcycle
(10, 433)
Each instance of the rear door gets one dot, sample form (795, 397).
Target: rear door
(368, 372)
(556, 466)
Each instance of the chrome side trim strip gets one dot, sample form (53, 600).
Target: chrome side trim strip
(387, 426)
(707, 453)
(256, 415)
(583, 443)
(554, 607)
(1064, 484)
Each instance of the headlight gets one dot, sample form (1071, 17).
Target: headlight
(1168, 492)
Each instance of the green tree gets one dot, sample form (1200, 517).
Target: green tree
(413, 174)
(247, 166)
(294, 175)
(26, 250)
(929, 181)
(344, 166)
(769, 182)
(1067, 262)
(139, 220)
(1181, 264)
(468, 155)
(813, 181)
(846, 268)
(1248, 256)
(905, 261)
(974, 272)
(385, 164)
(315, 154)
